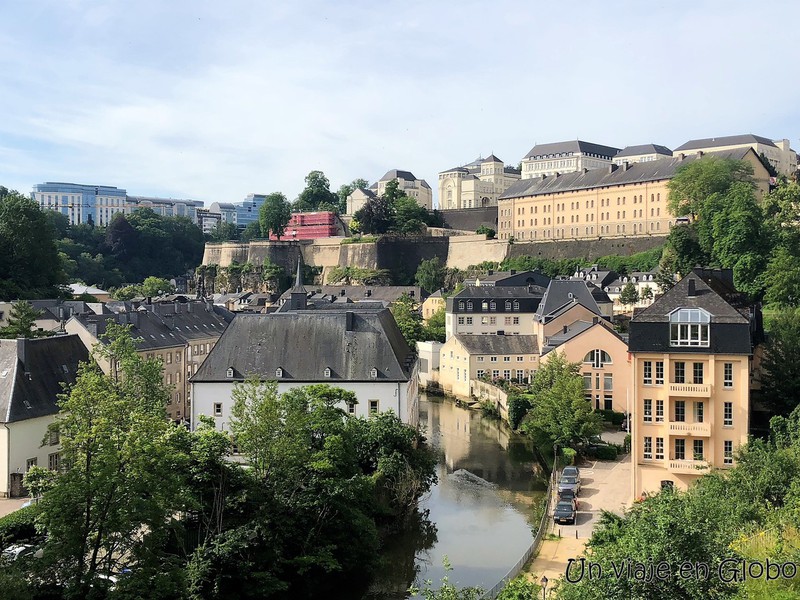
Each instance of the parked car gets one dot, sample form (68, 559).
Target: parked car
(569, 483)
(564, 513)
(568, 495)
(17, 551)
(571, 471)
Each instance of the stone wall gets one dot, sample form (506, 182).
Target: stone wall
(467, 250)
(402, 255)
(469, 219)
(486, 392)
(588, 249)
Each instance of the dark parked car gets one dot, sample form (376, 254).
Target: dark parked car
(568, 495)
(564, 513)
(569, 483)
(571, 471)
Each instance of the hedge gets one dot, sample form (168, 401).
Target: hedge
(605, 452)
(615, 418)
(18, 525)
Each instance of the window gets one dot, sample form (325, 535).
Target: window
(373, 407)
(727, 377)
(217, 409)
(680, 372)
(728, 452)
(327, 372)
(659, 411)
(492, 320)
(480, 373)
(492, 359)
(169, 378)
(587, 381)
(598, 358)
(177, 357)
(608, 402)
(516, 304)
(659, 448)
(351, 408)
(279, 372)
(506, 359)
(54, 437)
(479, 359)
(53, 461)
(484, 320)
(647, 377)
(520, 374)
(506, 374)
(659, 372)
(648, 448)
(469, 305)
(373, 372)
(507, 320)
(727, 414)
(520, 359)
(680, 410)
(495, 373)
(169, 358)
(461, 306)
(697, 447)
(699, 410)
(648, 411)
(689, 327)
(608, 382)
(228, 373)
(508, 304)
(31, 462)
(698, 373)
(680, 449)
(469, 320)
(460, 320)
(515, 320)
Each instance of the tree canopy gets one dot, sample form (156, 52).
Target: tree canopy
(317, 194)
(22, 322)
(274, 215)
(431, 274)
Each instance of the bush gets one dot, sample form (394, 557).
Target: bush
(518, 407)
(613, 417)
(605, 452)
(18, 526)
(569, 455)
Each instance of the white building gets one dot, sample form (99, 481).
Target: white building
(642, 153)
(777, 152)
(407, 183)
(32, 372)
(566, 157)
(477, 184)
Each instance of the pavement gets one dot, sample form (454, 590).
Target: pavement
(9, 505)
(605, 485)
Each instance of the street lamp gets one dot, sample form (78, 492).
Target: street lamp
(544, 581)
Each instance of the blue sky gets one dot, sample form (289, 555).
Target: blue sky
(214, 100)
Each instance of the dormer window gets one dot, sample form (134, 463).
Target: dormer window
(493, 306)
(469, 305)
(460, 306)
(373, 372)
(516, 304)
(229, 373)
(689, 327)
(278, 372)
(508, 304)
(327, 372)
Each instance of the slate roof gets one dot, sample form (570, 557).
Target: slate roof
(369, 192)
(728, 140)
(389, 293)
(58, 309)
(499, 344)
(304, 343)
(573, 330)
(398, 174)
(561, 293)
(506, 278)
(79, 288)
(571, 147)
(643, 149)
(491, 158)
(503, 292)
(30, 381)
(654, 170)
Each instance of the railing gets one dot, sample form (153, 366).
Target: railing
(534, 547)
(692, 390)
(688, 466)
(694, 429)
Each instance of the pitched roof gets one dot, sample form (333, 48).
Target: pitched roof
(728, 140)
(32, 373)
(389, 293)
(303, 343)
(573, 331)
(398, 174)
(571, 147)
(491, 159)
(562, 293)
(79, 288)
(654, 170)
(505, 291)
(643, 149)
(499, 344)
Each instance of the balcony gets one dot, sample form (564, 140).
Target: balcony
(691, 429)
(692, 467)
(690, 390)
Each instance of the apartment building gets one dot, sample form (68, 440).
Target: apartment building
(641, 153)
(565, 157)
(777, 152)
(645, 285)
(616, 201)
(484, 310)
(476, 184)
(691, 355)
(432, 304)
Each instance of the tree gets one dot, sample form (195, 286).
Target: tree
(646, 294)
(224, 231)
(317, 194)
(435, 329)
(251, 232)
(409, 216)
(348, 188)
(560, 414)
(487, 231)
(408, 320)
(22, 322)
(430, 274)
(121, 238)
(119, 483)
(780, 383)
(629, 295)
(376, 216)
(155, 286)
(696, 181)
(274, 215)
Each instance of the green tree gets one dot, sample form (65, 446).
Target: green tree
(155, 286)
(487, 231)
(696, 181)
(376, 216)
(780, 385)
(119, 483)
(251, 232)
(274, 215)
(224, 231)
(435, 328)
(629, 295)
(317, 194)
(22, 322)
(409, 320)
(647, 293)
(431, 274)
(560, 414)
(410, 217)
(782, 277)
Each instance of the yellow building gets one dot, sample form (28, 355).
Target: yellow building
(615, 201)
(691, 352)
(432, 304)
(476, 184)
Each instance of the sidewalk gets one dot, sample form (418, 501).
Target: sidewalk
(9, 505)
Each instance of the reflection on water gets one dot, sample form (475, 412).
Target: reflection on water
(488, 482)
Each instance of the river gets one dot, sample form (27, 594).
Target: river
(480, 513)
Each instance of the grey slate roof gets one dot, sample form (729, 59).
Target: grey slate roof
(398, 174)
(491, 158)
(502, 292)
(643, 149)
(30, 381)
(728, 140)
(387, 293)
(573, 330)
(654, 170)
(304, 343)
(62, 309)
(571, 147)
(369, 192)
(562, 293)
(499, 344)
(510, 278)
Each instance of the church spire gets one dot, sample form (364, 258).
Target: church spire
(297, 296)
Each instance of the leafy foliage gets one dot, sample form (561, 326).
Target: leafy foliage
(435, 329)
(358, 276)
(431, 274)
(274, 215)
(409, 319)
(780, 385)
(317, 194)
(224, 231)
(696, 181)
(629, 295)
(22, 322)
(487, 231)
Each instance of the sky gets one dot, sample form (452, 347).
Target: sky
(214, 100)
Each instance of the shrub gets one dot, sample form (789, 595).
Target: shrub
(613, 417)
(518, 407)
(605, 452)
(569, 455)
(18, 526)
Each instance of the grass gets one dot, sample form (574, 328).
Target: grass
(364, 239)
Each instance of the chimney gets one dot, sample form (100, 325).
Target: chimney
(189, 307)
(491, 272)
(134, 317)
(513, 271)
(691, 293)
(681, 156)
(566, 328)
(612, 168)
(92, 329)
(585, 170)
(544, 176)
(626, 165)
(349, 318)
(595, 320)
(21, 342)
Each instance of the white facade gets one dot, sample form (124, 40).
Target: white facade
(475, 185)
(21, 443)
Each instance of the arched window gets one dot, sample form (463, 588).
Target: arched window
(598, 358)
(689, 327)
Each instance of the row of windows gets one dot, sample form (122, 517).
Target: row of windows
(519, 374)
(374, 407)
(495, 358)
(679, 412)
(608, 382)
(489, 320)
(575, 232)
(486, 305)
(698, 373)
(679, 449)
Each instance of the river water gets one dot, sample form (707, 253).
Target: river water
(480, 513)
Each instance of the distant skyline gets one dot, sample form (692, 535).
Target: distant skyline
(214, 101)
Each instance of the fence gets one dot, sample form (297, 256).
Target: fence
(534, 547)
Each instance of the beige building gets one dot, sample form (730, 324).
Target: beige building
(408, 184)
(641, 153)
(778, 152)
(477, 184)
(691, 352)
(617, 201)
(565, 157)
(463, 358)
(432, 304)
(645, 285)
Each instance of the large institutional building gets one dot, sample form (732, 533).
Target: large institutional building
(778, 153)
(616, 201)
(565, 157)
(475, 185)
